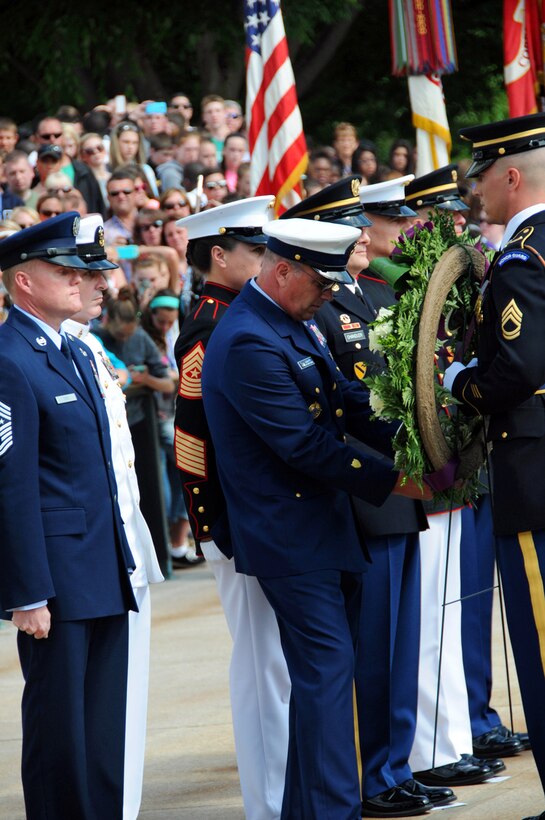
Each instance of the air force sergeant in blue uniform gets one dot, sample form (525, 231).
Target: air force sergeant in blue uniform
(278, 409)
(64, 559)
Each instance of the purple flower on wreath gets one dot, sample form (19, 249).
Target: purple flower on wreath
(407, 236)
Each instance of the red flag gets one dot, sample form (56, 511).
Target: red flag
(275, 129)
(519, 70)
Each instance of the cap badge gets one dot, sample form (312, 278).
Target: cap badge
(100, 236)
(75, 225)
(355, 186)
(454, 175)
(41, 341)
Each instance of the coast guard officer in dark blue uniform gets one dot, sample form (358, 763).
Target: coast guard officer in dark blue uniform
(278, 409)
(64, 560)
(508, 387)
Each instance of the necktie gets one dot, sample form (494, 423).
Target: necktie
(65, 349)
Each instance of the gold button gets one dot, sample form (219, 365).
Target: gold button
(205, 528)
(316, 389)
(504, 435)
(357, 346)
(106, 384)
(297, 495)
(339, 412)
(196, 490)
(201, 509)
(210, 301)
(129, 463)
(335, 384)
(356, 464)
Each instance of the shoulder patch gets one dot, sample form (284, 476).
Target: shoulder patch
(6, 431)
(190, 373)
(510, 256)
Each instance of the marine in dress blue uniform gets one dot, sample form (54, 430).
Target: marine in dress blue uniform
(278, 409)
(507, 387)
(63, 555)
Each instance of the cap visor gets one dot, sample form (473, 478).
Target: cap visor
(341, 276)
(101, 264)
(390, 210)
(355, 221)
(477, 168)
(65, 261)
(453, 205)
(258, 239)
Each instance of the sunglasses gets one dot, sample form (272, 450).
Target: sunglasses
(220, 184)
(170, 206)
(65, 190)
(122, 191)
(96, 149)
(157, 224)
(47, 213)
(50, 136)
(324, 286)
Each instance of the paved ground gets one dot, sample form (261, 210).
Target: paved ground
(190, 771)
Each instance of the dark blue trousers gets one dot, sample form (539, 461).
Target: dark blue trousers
(387, 661)
(318, 615)
(477, 557)
(521, 560)
(73, 708)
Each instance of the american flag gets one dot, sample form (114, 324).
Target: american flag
(277, 143)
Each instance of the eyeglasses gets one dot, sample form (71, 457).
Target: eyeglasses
(93, 149)
(50, 136)
(125, 191)
(324, 286)
(219, 184)
(157, 224)
(47, 213)
(65, 190)
(170, 206)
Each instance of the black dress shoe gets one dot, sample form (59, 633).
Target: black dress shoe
(524, 742)
(461, 773)
(395, 802)
(439, 796)
(493, 763)
(498, 742)
(185, 561)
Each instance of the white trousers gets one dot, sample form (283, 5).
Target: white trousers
(453, 724)
(137, 703)
(260, 688)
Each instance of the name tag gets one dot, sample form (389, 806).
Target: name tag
(66, 398)
(304, 363)
(354, 336)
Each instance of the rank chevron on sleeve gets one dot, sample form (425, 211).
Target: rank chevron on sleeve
(6, 433)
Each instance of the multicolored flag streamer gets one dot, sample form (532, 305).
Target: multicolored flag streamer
(277, 143)
(422, 37)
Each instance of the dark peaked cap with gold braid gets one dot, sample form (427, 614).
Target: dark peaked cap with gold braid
(503, 138)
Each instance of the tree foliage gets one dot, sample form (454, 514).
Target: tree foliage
(56, 53)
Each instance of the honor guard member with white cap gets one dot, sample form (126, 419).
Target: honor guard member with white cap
(442, 741)
(226, 244)
(507, 386)
(439, 190)
(64, 557)
(90, 244)
(384, 204)
(278, 410)
(386, 689)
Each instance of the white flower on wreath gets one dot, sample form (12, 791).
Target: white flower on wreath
(377, 403)
(383, 327)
